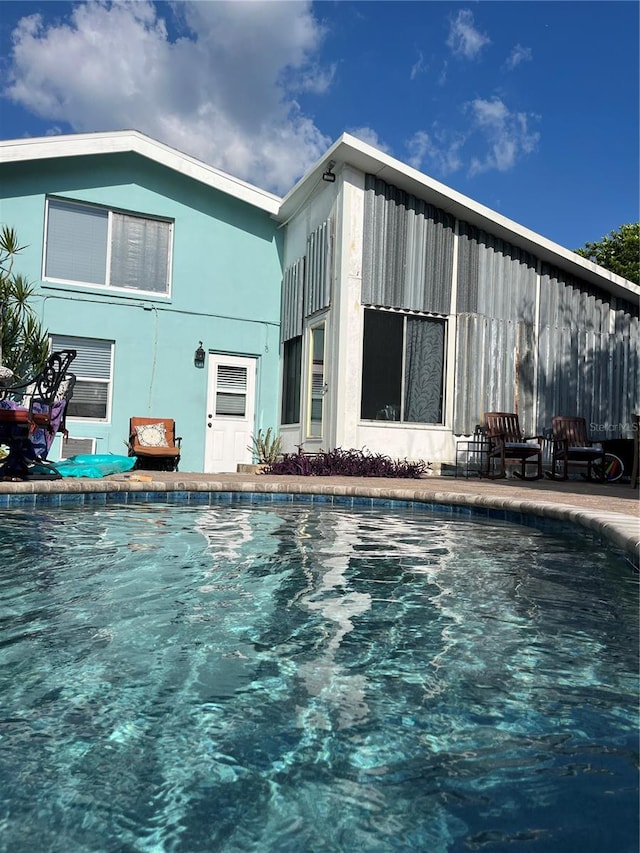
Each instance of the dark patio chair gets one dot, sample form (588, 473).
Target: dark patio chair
(31, 413)
(507, 443)
(154, 443)
(571, 444)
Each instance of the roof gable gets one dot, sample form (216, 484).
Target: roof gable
(83, 144)
(350, 151)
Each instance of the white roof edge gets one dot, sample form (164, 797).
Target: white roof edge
(349, 150)
(121, 141)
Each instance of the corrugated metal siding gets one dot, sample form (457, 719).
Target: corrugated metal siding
(306, 285)
(408, 251)
(587, 348)
(570, 303)
(495, 345)
(627, 361)
(525, 384)
(582, 358)
(494, 371)
(292, 300)
(589, 354)
(494, 277)
(317, 291)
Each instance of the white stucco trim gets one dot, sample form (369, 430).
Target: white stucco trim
(350, 316)
(451, 338)
(125, 141)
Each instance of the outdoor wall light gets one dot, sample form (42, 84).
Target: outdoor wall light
(328, 172)
(199, 356)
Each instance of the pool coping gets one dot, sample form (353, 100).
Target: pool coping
(620, 529)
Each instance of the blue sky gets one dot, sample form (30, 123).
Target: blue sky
(530, 108)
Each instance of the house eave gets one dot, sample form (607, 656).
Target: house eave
(126, 141)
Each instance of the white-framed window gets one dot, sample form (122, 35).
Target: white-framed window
(93, 369)
(97, 246)
(291, 380)
(316, 387)
(403, 367)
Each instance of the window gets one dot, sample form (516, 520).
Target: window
(402, 367)
(93, 245)
(92, 367)
(231, 391)
(317, 386)
(291, 374)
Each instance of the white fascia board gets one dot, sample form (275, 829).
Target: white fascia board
(123, 141)
(352, 151)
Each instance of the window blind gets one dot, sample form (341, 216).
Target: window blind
(231, 393)
(92, 368)
(93, 359)
(76, 242)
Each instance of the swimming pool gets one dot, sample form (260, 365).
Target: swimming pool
(308, 677)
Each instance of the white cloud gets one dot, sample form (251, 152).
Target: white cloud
(418, 66)
(464, 39)
(113, 65)
(438, 152)
(519, 54)
(489, 114)
(442, 76)
(368, 135)
(503, 138)
(506, 135)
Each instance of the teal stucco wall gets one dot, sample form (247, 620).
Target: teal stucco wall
(225, 291)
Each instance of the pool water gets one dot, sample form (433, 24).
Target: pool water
(304, 677)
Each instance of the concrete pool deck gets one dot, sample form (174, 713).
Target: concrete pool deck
(609, 509)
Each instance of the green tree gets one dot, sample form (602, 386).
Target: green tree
(619, 252)
(24, 344)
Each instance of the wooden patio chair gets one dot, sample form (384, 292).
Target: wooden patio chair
(571, 443)
(31, 413)
(506, 443)
(154, 443)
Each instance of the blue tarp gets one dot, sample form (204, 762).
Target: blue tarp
(94, 465)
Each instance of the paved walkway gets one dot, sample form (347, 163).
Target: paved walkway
(611, 510)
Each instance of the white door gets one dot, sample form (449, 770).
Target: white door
(230, 412)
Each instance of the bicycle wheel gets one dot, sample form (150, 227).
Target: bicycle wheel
(613, 468)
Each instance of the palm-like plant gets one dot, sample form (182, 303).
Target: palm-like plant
(266, 447)
(24, 344)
